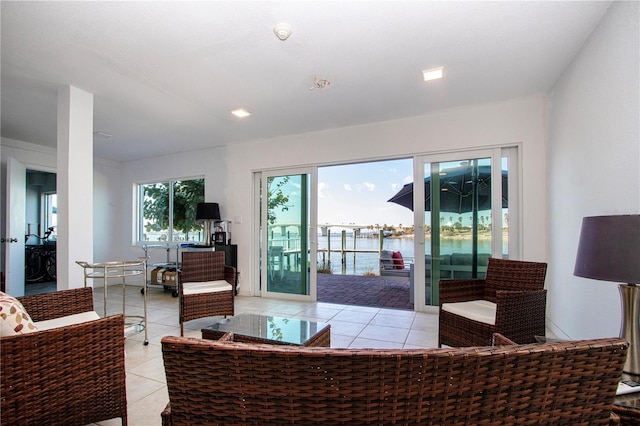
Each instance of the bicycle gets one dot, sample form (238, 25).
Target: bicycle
(40, 260)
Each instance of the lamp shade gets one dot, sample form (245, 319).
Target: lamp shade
(207, 211)
(609, 249)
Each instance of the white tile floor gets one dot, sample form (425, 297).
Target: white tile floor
(351, 326)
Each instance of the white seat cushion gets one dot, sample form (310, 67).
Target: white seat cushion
(205, 287)
(68, 320)
(477, 310)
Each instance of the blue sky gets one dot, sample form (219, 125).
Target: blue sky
(358, 193)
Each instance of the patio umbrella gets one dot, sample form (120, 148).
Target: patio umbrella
(464, 189)
(456, 190)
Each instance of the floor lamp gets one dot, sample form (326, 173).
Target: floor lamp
(609, 250)
(207, 212)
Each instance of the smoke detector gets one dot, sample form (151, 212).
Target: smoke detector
(282, 31)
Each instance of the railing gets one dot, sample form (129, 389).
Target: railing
(291, 249)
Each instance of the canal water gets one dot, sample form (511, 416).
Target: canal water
(369, 262)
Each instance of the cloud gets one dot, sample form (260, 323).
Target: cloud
(347, 187)
(408, 179)
(321, 187)
(369, 186)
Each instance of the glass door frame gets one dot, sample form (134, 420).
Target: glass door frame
(496, 155)
(261, 233)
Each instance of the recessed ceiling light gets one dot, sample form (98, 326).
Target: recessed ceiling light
(240, 113)
(433, 74)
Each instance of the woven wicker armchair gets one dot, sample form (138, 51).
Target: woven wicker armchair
(72, 375)
(206, 286)
(517, 290)
(257, 384)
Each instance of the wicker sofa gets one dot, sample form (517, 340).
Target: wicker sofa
(69, 375)
(252, 384)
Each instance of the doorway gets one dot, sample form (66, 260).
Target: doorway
(300, 229)
(41, 220)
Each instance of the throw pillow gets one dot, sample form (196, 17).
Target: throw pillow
(398, 261)
(14, 319)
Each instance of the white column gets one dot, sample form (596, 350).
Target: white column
(75, 185)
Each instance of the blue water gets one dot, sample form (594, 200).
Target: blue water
(369, 262)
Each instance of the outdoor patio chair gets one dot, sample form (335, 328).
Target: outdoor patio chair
(510, 300)
(206, 286)
(394, 268)
(69, 370)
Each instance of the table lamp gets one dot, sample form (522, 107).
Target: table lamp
(609, 250)
(207, 212)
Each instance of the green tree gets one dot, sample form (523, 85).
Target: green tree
(186, 195)
(276, 198)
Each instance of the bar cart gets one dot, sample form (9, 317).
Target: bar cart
(121, 270)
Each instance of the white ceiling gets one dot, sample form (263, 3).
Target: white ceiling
(166, 74)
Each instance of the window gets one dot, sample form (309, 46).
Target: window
(167, 211)
(51, 213)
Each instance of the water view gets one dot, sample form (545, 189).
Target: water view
(369, 262)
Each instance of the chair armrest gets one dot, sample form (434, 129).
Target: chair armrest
(521, 314)
(165, 415)
(230, 275)
(58, 304)
(460, 290)
(66, 375)
(500, 340)
(386, 264)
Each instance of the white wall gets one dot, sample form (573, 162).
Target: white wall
(107, 205)
(228, 171)
(593, 161)
(515, 121)
(208, 163)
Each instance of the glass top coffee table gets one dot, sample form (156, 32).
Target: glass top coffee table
(254, 328)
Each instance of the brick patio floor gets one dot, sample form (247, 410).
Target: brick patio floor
(363, 291)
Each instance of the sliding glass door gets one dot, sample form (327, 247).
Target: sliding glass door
(465, 217)
(287, 235)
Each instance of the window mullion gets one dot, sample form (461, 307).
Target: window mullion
(172, 184)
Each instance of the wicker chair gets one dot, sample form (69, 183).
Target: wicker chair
(206, 286)
(72, 375)
(258, 384)
(516, 288)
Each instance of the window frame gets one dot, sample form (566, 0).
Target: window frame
(138, 210)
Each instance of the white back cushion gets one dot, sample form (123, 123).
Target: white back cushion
(68, 320)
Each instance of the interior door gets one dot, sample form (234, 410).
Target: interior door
(288, 234)
(15, 226)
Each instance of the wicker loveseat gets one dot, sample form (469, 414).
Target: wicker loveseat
(69, 375)
(226, 382)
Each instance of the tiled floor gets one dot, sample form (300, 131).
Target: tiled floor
(351, 326)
